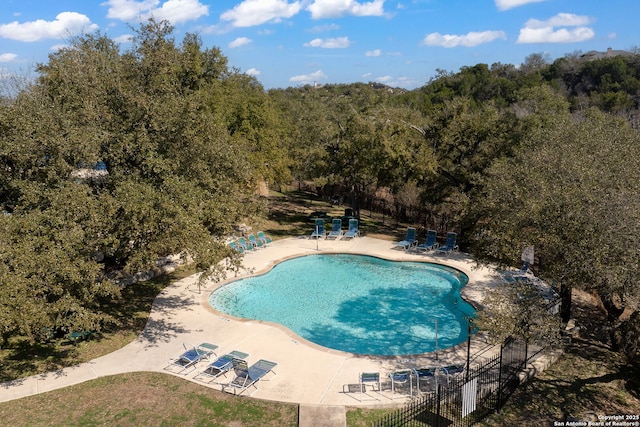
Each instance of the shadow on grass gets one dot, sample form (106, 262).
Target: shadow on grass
(291, 212)
(22, 358)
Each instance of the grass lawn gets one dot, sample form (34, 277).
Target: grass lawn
(144, 399)
(587, 379)
(21, 359)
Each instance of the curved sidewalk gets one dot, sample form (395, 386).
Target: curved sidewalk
(306, 373)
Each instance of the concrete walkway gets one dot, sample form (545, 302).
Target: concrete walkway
(307, 374)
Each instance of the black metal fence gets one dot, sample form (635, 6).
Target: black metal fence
(468, 398)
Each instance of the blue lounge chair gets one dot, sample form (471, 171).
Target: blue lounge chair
(430, 243)
(451, 372)
(191, 357)
(353, 230)
(255, 242)
(401, 378)
(220, 366)
(336, 229)
(449, 244)
(245, 244)
(318, 230)
(409, 240)
(236, 247)
(369, 378)
(248, 376)
(266, 239)
(427, 377)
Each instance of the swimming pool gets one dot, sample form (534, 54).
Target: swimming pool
(356, 303)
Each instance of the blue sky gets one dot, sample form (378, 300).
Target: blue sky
(291, 43)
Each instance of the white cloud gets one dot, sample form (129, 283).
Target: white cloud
(256, 12)
(174, 11)
(129, 10)
(332, 43)
(179, 11)
(549, 35)
(324, 28)
(57, 47)
(125, 38)
(535, 31)
(309, 78)
(384, 79)
(560, 20)
(375, 52)
(240, 41)
(401, 81)
(66, 24)
(321, 9)
(7, 57)
(509, 4)
(469, 40)
(253, 72)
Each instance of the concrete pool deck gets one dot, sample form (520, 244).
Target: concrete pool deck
(306, 373)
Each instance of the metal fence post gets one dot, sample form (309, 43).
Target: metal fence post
(438, 405)
(499, 397)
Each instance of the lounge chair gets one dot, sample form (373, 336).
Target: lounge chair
(450, 244)
(430, 243)
(220, 366)
(428, 378)
(523, 274)
(266, 239)
(353, 229)
(236, 247)
(336, 229)
(248, 376)
(372, 378)
(402, 377)
(318, 230)
(244, 244)
(451, 372)
(191, 357)
(76, 336)
(255, 242)
(409, 240)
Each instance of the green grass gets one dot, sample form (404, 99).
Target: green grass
(21, 358)
(360, 417)
(144, 398)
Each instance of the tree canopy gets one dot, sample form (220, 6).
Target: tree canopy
(165, 167)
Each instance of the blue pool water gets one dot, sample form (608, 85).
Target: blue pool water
(355, 303)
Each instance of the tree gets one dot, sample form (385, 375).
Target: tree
(572, 192)
(176, 176)
(534, 62)
(518, 310)
(50, 278)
